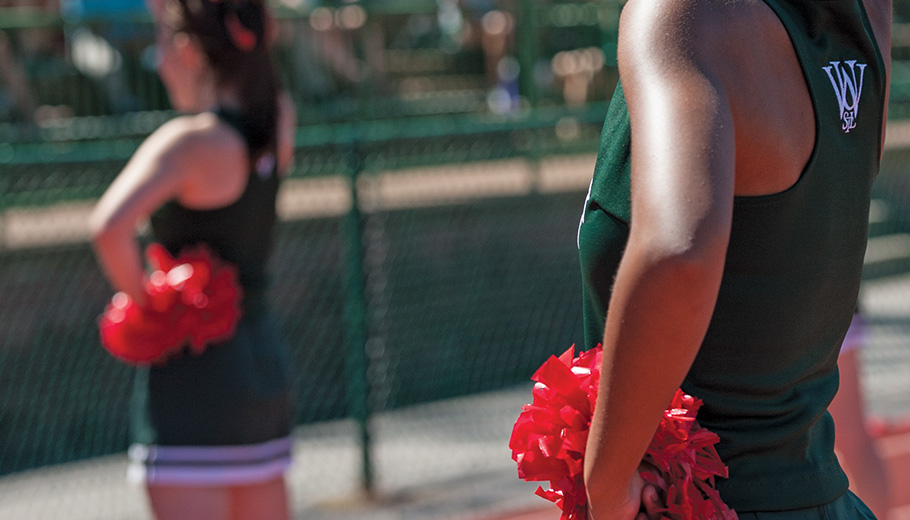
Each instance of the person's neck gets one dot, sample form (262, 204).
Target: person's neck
(227, 99)
(208, 100)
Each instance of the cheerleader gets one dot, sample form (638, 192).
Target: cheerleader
(211, 429)
(722, 241)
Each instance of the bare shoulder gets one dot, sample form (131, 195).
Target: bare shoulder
(287, 128)
(191, 146)
(880, 13)
(703, 33)
(209, 157)
(200, 133)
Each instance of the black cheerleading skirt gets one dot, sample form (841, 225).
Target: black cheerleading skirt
(847, 507)
(221, 418)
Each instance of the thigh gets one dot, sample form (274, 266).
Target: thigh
(262, 501)
(181, 503)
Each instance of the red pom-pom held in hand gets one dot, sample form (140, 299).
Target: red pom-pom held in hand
(549, 438)
(193, 300)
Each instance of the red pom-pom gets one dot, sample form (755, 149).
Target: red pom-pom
(193, 300)
(549, 438)
(683, 463)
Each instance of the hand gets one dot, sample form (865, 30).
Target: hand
(639, 502)
(651, 507)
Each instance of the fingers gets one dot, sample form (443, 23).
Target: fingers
(651, 503)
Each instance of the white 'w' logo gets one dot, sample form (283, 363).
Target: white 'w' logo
(847, 89)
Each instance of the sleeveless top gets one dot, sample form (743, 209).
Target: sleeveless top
(240, 233)
(766, 369)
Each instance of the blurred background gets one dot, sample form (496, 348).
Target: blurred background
(426, 260)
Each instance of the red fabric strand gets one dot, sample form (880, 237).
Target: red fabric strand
(549, 438)
(193, 300)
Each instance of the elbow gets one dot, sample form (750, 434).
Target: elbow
(99, 229)
(696, 267)
(103, 231)
(692, 262)
(695, 263)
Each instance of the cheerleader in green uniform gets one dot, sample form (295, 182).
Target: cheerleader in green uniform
(722, 241)
(211, 430)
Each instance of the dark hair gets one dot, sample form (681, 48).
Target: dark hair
(233, 36)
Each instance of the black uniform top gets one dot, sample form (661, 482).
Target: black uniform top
(240, 233)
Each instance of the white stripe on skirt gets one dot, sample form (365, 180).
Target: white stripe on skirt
(209, 465)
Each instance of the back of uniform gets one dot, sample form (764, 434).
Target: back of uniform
(766, 369)
(224, 417)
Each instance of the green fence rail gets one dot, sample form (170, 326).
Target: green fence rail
(340, 61)
(318, 260)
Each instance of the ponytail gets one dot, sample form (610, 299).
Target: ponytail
(234, 36)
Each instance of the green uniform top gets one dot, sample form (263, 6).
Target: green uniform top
(766, 369)
(240, 233)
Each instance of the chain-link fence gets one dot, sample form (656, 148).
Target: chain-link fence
(441, 281)
(425, 249)
(425, 262)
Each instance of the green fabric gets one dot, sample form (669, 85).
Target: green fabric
(767, 367)
(610, 186)
(604, 228)
(602, 241)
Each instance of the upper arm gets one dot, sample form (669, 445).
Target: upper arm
(880, 17)
(682, 130)
(150, 178)
(287, 128)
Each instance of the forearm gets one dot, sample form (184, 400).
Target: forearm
(856, 450)
(119, 256)
(658, 315)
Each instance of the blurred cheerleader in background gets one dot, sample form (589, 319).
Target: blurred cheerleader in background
(211, 430)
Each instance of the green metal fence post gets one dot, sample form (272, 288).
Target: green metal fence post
(609, 28)
(356, 322)
(526, 26)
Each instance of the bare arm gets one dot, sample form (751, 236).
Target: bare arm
(184, 159)
(856, 450)
(668, 281)
(287, 130)
(880, 17)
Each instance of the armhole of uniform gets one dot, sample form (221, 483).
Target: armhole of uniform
(813, 157)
